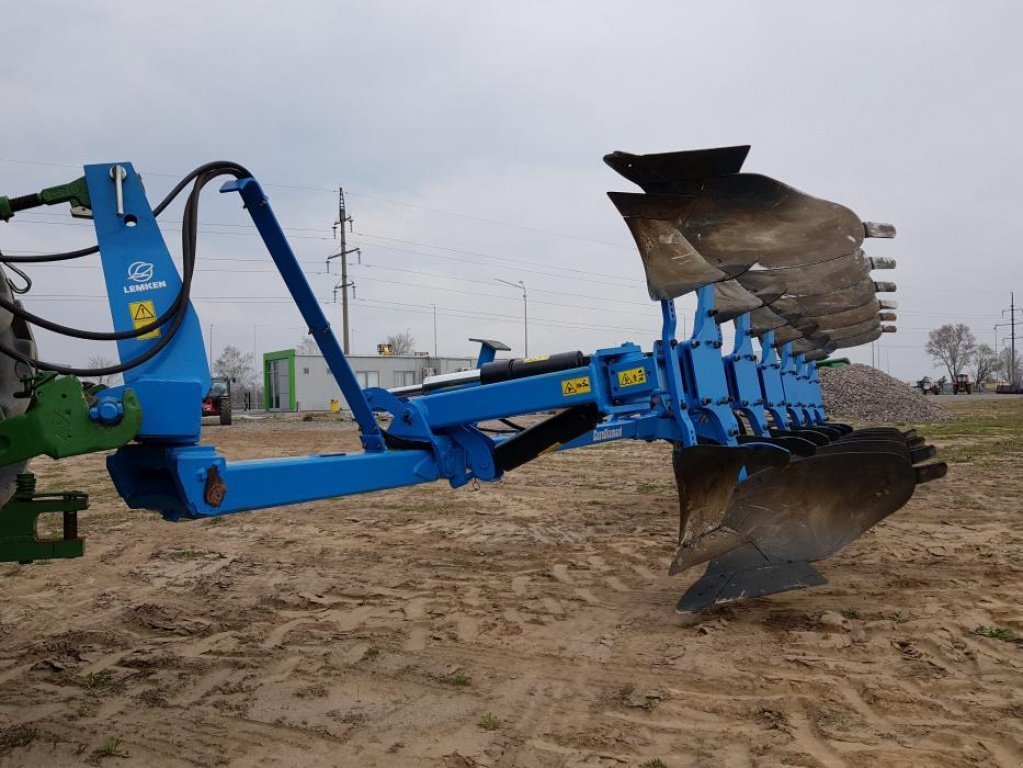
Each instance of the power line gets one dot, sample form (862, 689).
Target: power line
(476, 282)
(460, 291)
(579, 274)
(482, 220)
(517, 262)
(426, 309)
(369, 196)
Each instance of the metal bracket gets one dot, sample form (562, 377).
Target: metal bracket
(58, 423)
(19, 541)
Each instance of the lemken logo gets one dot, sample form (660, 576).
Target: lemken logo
(141, 273)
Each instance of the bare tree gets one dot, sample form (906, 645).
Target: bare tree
(235, 365)
(953, 346)
(307, 346)
(402, 343)
(109, 380)
(985, 364)
(1011, 370)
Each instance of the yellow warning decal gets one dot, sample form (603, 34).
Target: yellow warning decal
(143, 313)
(578, 386)
(537, 359)
(632, 377)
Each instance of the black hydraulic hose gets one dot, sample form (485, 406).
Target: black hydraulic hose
(19, 289)
(202, 176)
(47, 257)
(177, 312)
(160, 207)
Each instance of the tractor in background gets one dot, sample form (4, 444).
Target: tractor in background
(218, 400)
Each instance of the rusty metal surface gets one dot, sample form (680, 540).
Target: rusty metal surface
(832, 303)
(853, 331)
(820, 277)
(750, 217)
(856, 341)
(849, 317)
(732, 300)
(878, 229)
(813, 354)
(788, 333)
(793, 261)
(806, 510)
(706, 476)
(660, 172)
(673, 267)
(765, 319)
(764, 284)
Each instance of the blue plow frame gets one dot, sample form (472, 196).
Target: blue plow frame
(683, 392)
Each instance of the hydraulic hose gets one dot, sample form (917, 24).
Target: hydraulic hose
(175, 315)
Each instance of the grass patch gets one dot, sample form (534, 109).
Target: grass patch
(459, 678)
(971, 452)
(371, 653)
(112, 748)
(98, 681)
(996, 633)
(897, 616)
(851, 613)
(17, 736)
(489, 723)
(655, 763)
(186, 554)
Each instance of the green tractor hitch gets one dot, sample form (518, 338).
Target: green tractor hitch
(19, 538)
(58, 423)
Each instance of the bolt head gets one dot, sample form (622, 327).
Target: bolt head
(106, 411)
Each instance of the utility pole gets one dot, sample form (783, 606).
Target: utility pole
(525, 311)
(211, 347)
(434, 330)
(1012, 346)
(341, 234)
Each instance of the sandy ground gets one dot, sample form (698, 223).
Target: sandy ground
(526, 623)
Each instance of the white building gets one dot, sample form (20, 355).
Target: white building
(294, 381)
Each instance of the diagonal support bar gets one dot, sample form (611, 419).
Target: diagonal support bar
(258, 206)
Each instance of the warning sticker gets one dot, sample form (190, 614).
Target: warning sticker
(143, 313)
(578, 386)
(632, 377)
(537, 359)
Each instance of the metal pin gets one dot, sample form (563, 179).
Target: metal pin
(119, 174)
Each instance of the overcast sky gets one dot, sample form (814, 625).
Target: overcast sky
(469, 136)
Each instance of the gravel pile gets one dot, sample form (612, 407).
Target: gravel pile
(860, 392)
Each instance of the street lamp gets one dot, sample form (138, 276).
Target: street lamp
(525, 311)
